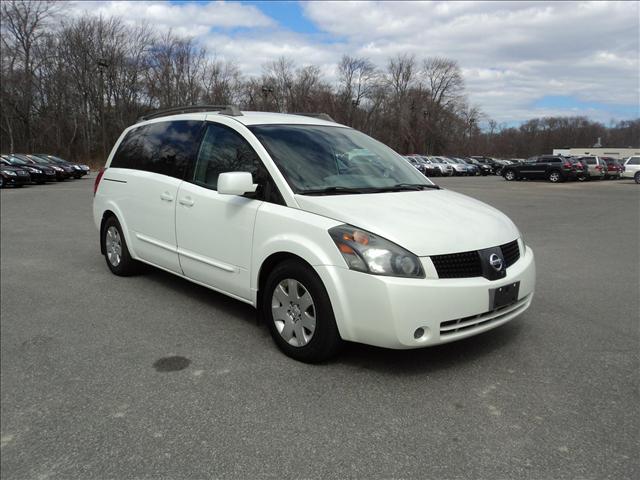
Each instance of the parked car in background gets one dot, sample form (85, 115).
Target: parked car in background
(446, 170)
(80, 170)
(459, 168)
(545, 167)
(39, 174)
(484, 168)
(472, 169)
(581, 168)
(74, 171)
(430, 170)
(62, 172)
(14, 176)
(490, 162)
(632, 168)
(596, 167)
(415, 163)
(614, 168)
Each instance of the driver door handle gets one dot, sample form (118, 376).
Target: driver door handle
(187, 201)
(166, 196)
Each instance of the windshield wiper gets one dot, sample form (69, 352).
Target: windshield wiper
(408, 186)
(347, 190)
(333, 190)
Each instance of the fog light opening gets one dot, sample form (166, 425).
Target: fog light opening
(419, 333)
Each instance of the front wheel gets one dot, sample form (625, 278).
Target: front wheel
(554, 177)
(298, 312)
(509, 175)
(636, 177)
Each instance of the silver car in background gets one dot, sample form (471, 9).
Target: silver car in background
(446, 169)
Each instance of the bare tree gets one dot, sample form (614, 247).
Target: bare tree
(23, 25)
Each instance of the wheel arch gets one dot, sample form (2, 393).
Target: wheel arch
(109, 212)
(267, 266)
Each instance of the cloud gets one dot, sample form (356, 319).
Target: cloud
(512, 53)
(194, 19)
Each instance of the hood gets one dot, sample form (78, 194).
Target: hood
(427, 222)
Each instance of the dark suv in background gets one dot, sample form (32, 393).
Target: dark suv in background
(545, 167)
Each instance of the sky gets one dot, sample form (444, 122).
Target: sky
(519, 60)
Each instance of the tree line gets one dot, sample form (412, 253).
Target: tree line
(70, 86)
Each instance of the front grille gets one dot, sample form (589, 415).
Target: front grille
(451, 327)
(510, 252)
(468, 264)
(458, 265)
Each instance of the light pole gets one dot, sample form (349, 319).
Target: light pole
(102, 65)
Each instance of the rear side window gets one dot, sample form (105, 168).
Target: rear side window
(634, 161)
(167, 148)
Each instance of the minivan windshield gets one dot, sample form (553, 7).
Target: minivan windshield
(333, 160)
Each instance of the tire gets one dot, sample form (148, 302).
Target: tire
(1, 182)
(554, 176)
(510, 175)
(298, 313)
(116, 252)
(636, 177)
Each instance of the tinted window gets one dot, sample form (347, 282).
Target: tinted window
(634, 161)
(589, 160)
(223, 150)
(167, 148)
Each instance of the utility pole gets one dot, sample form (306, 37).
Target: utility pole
(102, 65)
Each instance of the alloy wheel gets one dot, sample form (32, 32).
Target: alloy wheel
(294, 312)
(113, 246)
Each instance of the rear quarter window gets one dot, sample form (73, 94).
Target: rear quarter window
(167, 148)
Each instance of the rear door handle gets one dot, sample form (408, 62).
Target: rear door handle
(186, 201)
(166, 196)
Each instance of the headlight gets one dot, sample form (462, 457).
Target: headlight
(9, 172)
(366, 252)
(58, 169)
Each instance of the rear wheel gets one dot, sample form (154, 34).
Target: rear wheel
(1, 182)
(636, 177)
(298, 312)
(509, 175)
(116, 252)
(554, 176)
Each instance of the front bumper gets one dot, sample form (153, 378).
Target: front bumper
(387, 311)
(17, 179)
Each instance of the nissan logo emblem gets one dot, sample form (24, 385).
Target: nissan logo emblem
(496, 262)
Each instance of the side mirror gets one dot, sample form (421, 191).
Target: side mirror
(235, 183)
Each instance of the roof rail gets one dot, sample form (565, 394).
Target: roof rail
(231, 110)
(321, 116)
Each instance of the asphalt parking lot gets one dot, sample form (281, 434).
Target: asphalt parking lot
(551, 395)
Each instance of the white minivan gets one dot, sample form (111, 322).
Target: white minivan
(328, 233)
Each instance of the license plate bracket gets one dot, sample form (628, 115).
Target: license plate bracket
(504, 295)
